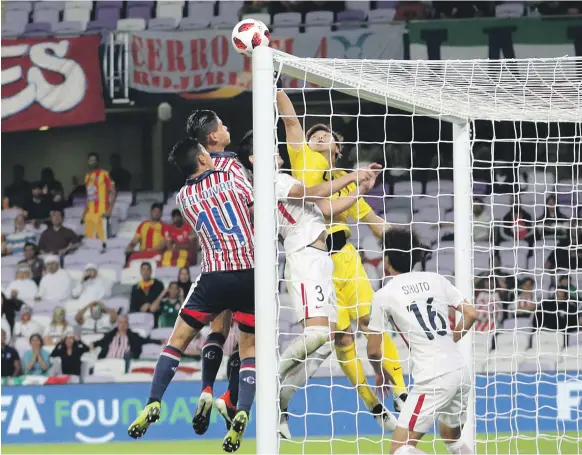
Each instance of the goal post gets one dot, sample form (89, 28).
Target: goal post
(461, 92)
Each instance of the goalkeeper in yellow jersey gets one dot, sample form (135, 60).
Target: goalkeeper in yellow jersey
(313, 156)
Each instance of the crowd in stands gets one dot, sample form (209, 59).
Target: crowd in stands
(66, 18)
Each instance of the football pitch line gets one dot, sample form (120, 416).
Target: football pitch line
(528, 443)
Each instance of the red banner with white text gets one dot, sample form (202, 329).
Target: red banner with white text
(48, 82)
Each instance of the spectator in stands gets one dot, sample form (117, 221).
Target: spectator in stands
(58, 239)
(167, 305)
(517, 224)
(91, 289)
(101, 195)
(10, 359)
(9, 309)
(568, 252)
(481, 221)
(120, 175)
(56, 284)
(16, 240)
(19, 192)
(525, 304)
(145, 292)
(36, 361)
(180, 243)
(23, 287)
(565, 282)
(27, 326)
(70, 350)
(488, 305)
(56, 330)
(122, 342)
(35, 263)
(50, 186)
(96, 317)
(149, 234)
(184, 282)
(78, 196)
(553, 224)
(558, 313)
(37, 208)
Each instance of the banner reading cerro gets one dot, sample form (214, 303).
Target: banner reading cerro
(163, 62)
(495, 38)
(102, 413)
(51, 82)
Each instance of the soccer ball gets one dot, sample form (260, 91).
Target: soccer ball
(248, 34)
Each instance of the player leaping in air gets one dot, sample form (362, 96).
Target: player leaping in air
(313, 156)
(309, 270)
(218, 205)
(417, 304)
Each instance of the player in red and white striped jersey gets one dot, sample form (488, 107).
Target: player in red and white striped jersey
(308, 272)
(218, 205)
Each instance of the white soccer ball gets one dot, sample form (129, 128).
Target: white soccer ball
(248, 34)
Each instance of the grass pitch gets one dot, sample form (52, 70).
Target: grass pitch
(567, 443)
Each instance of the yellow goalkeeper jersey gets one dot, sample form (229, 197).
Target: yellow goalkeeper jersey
(312, 169)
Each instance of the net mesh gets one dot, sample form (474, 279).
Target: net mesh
(526, 236)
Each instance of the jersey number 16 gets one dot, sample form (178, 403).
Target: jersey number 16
(431, 315)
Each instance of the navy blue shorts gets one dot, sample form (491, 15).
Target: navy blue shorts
(212, 293)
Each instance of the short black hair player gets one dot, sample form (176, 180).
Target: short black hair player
(218, 205)
(417, 306)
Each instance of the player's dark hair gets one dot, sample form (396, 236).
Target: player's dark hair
(201, 124)
(93, 155)
(184, 155)
(327, 128)
(245, 150)
(176, 212)
(403, 249)
(157, 205)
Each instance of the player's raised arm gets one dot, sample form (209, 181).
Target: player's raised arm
(469, 316)
(293, 128)
(326, 189)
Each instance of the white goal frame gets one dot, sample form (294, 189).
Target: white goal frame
(458, 91)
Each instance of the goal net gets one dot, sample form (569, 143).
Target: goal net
(482, 159)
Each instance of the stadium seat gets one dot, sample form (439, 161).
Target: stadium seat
(140, 10)
(108, 13)
(512, 342)
(173, 10)
(201, 10)
(141, 321)
(224, 20)
(151, 351)
(119, 303)
(350, 19)
(162, 333)
(131, 25)
(230, 8)
(16, 6)
(50, 16)
(265, 18)
(134, 377)
(358, 5)
(114, 367)
(16, 18)
(318, 21)
(69, 28)
(510, 9)
(162, 23)
(37, 29)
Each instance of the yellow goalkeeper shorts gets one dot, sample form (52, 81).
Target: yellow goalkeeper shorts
(352, 286)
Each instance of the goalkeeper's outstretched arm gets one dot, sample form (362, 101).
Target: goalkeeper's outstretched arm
(293, 128)
(300, 193)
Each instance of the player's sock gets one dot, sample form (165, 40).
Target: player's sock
(211, 358)
(406, 449)
(166, 367)
(246, 384)
(459, 448)
(298, 376)
(302, 347)
(392, 365)
(233, 376)
(354, 371)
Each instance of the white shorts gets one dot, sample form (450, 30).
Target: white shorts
(308, 274)
(444, 397)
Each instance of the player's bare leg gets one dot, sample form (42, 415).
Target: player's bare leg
(354, 371)
(211, 361)
(166, 367)
(300, 361)
(404, 441)
(452, 439)
(247, 386)
(390, 363)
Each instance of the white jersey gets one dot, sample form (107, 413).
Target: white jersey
(300, 222)
(417, 304)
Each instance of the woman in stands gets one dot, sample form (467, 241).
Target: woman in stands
(184, 281)
(57, 328)
(36, 361)
(70, 350)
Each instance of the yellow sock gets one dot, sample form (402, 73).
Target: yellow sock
(354, 371)
(392, 365)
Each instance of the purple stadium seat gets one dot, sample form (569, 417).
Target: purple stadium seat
(37, 29)
(386, 4)
(17, 6)
(110, 4)
(201, 9)
(139, 11)
(12, 30)
(46, 15)
(18, 17)
(350, 19)
(110, 14)
(194, 23)
(99, 26)
(68, 28)
(162, 23)
(57, 5)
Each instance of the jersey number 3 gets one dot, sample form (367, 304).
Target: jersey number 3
(207, 221)
(431, 315)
